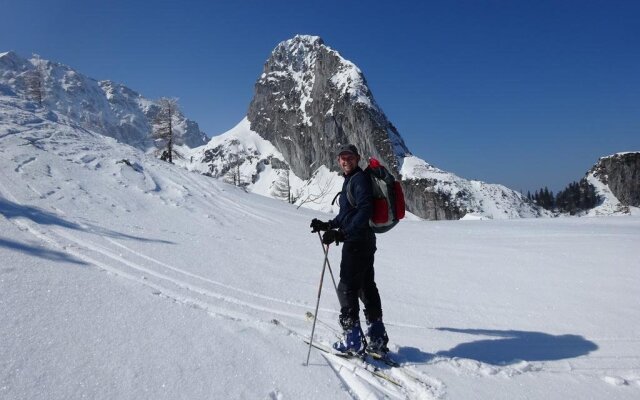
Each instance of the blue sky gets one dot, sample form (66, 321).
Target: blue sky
(523, 93)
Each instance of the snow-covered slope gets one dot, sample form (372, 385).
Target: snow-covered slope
(105, 107)
(617, 172)
(261, 169)
(609, 203)
(480, 199)
(261, 166)
(142, 280)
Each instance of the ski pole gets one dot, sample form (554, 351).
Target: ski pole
(326, 251)
(315, 318)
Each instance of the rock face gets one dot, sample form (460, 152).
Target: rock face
(621, 173)
(309, 100)
(104, 107)
(429, 203)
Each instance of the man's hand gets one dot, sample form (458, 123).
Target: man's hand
(332, 236)
(317, 225)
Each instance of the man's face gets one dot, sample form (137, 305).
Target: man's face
(348, 162)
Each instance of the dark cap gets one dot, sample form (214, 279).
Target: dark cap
(348, 148)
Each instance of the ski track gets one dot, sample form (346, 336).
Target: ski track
(217, 201)
(112, 262)
(362, 383)
(358, 382)
(191, 290)
(415, 384)
(360, 379)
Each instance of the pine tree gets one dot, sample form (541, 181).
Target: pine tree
(576, 197)
(163, 129)
(549, 202)
(34, 80)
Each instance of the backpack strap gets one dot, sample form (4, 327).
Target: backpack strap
(350, 197)
(335, 197)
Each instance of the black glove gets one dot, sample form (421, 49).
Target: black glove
(318, 225)
(333, 236)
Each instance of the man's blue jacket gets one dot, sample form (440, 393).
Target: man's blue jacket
(353, 221)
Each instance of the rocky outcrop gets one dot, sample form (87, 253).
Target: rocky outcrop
(309, 100)
(621, 173)
(430, 203)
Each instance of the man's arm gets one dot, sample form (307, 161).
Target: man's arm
(363, 196)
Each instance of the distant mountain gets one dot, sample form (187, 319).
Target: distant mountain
(616, 179)
(308, 100)
(104, 107)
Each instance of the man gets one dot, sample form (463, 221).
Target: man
(351, 226)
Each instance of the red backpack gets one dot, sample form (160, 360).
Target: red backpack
(388, 198)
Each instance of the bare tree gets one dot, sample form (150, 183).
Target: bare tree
(163, 128)
(34, 80)
(282, 187)
(313, 195)
(233, 175)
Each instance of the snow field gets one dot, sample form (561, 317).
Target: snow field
(154, 282)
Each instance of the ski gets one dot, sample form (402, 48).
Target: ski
(364, 363)
(382, 357)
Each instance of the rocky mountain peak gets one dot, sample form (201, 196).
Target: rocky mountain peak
(297, 54)
(309, 100)
(11, 60)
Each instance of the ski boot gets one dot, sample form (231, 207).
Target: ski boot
(377, 339)
(351, 342)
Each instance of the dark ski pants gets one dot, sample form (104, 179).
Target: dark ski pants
(357, 282)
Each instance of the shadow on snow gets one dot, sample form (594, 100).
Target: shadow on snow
(40, 252)
(507, 347)
(12, 210)
(510, 347)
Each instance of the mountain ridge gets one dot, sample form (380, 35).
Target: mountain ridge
(106, 107)
(299, 155)
(309, 100)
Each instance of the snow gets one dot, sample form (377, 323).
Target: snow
(622, 153)
(300, 55)
(348, 79)
(156, 282)
(416, 168)
(297, 67)
(240, 141)
(482, 200)
(609, 203)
